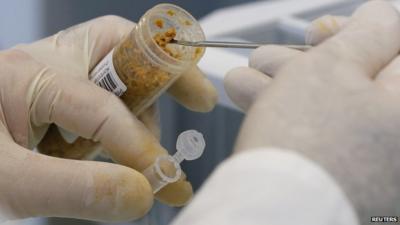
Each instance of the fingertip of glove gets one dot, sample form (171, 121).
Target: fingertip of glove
(128, 193)
(270, 58)
(176, 194)
(138, 199)
(207, 103)
(195, 92)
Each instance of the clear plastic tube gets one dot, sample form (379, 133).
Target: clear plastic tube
(166, 169)
(163, 171)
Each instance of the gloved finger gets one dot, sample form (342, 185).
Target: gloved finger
(180, 192)
(81, 107)
(270, 58)
(176, 194)
(81, 47)
(39, 185)
(360, 46)
(243, 85)
(194, 91)
(150, 117)
(323, 28)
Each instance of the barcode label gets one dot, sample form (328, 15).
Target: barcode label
(107, 83)
(105, 76)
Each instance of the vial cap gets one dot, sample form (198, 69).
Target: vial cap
(190, 144)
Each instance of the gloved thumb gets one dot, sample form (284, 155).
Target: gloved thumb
(81, 107)
(39, 185)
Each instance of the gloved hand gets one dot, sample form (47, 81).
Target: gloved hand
(336, 104)
(47, 82)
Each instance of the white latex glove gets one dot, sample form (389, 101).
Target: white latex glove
(47, 82)
(336, 104)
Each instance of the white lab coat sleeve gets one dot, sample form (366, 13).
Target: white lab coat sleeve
(269, 186)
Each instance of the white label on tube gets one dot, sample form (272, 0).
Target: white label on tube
(105, 76)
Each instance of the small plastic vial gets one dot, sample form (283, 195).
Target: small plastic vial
(139, 69)
(166, 169)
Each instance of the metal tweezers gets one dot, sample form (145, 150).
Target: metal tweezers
(228, 44)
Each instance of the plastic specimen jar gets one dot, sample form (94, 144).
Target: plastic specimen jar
(144, 63)
(139, 69)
